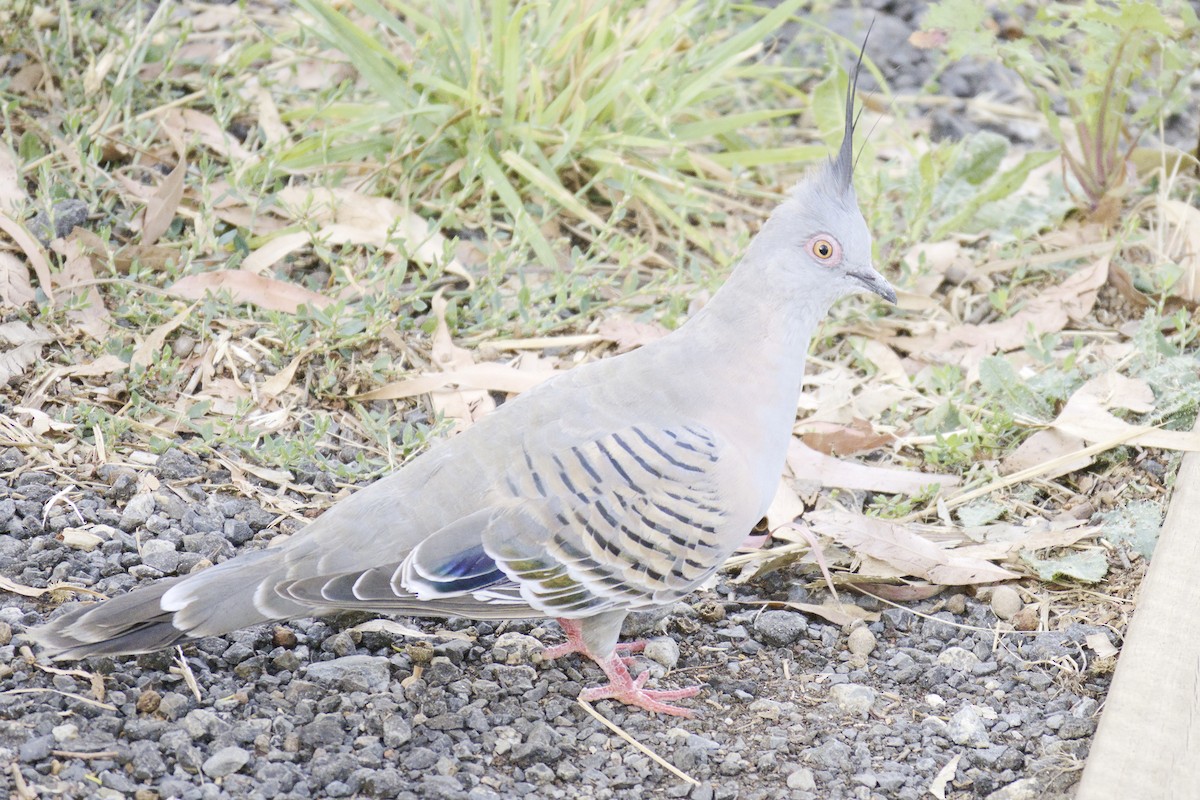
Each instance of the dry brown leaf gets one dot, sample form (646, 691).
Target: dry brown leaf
(349, 217)
(904, 549)
(1182, 223)
(809, 465)
(898, 592)
(187, 123)
(1086, 415)
(18, 333)
(39, 422)
(487, 377)
(1042, 448)
(1048, 312)
(26, 347)
(104, 365)
(1004, 542)
(629, 334)
(269, 120)
(837, 613)
(15, 287)
(932, 39)
(888, 364)
(845, 440)
(77, 279)
(250, 218)
(278, 383)
(785, 507)
(12, 586)
(14, 362)
(32, 250)
(1086, 419)
(937, 787)
(464, 406)
(275, 249)
(123, 256)
(930, 261)
(162, 205)
(149, 348)
(397, 629)
(1122, 281)
(245, 287)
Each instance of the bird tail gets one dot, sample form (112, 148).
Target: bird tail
(214, 601)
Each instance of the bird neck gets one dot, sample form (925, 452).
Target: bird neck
(764, 327)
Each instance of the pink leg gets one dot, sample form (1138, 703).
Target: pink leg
(622, 686)
(574, 643)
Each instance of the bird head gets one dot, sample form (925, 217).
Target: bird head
(818, 238)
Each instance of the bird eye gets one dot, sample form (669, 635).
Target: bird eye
(825, 248)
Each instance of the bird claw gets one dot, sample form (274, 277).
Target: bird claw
(648, 699)
(622, 686)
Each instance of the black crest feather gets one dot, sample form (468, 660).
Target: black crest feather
(843, 165)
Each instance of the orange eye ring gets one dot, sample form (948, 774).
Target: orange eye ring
(824, 247)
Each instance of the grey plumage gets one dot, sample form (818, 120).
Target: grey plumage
(619, 485)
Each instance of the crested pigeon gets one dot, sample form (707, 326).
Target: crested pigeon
(619, 485)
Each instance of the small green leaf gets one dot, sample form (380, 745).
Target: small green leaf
(1087, 566)
(981, 512)
(1137, 524)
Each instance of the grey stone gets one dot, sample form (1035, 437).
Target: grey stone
(780, 628)
(831, 755)
(370, 674)
(136, 512)
(176, 465)
(852, 698)
(225, 761)
(441, 787)
(396, 731)
(802, 779)
(1023, 789)
(664, 650)
(959, 659)
(966, 728)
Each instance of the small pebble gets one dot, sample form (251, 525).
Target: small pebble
(1006, 602)
(1026, 619)
(852, 698)
(225, 761)
(664, 650)
(959, 659)
(861, 641)
(515, 648)
(65, 732)
(966, 728)
(148, 702)
(956, 604)
(802, 779)
(283, 637)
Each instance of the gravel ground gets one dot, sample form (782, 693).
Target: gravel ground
(795, 707)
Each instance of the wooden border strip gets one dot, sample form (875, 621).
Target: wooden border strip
(1148, 743)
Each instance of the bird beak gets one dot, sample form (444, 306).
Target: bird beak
(872, 281)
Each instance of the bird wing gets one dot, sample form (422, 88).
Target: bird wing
(637, 517)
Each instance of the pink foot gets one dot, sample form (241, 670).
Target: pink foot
(622, 686)
(627, 689)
